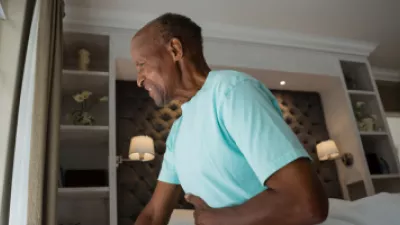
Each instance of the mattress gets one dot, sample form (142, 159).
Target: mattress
(381, 209)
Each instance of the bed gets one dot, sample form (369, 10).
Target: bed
(381, 209)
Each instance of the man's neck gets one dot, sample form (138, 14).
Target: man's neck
(193, 78)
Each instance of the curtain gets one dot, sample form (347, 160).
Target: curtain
(13, 44)
(35, 168)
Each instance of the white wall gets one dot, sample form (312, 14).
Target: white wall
(394, 126)
(231, 53)
(10, 47)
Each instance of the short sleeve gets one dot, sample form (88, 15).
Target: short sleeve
(252, 118)
(168, 172)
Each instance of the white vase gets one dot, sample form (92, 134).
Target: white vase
(84, 59)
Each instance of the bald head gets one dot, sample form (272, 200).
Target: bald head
(168, 26)
(150, 34)
(168, 53)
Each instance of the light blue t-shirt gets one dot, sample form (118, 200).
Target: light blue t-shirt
(230, 139)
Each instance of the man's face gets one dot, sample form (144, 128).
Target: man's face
(156, 68)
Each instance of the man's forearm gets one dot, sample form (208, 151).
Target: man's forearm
(145, 219)
(269, 207)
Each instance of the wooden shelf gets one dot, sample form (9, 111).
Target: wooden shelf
(385, 176)
(84, 147)
(361, 92)
(83, 133)
(83, 128)
(84, 192)
(74, 81)
(355, 97)
(373, 133)
(85, 73)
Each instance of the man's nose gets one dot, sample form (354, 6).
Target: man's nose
(140, 80)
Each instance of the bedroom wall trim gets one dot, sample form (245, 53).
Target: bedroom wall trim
(129, 20)
(386, 74)
(225, 53)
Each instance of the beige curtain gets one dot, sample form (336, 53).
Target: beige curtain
(13, 39)
(35, 168)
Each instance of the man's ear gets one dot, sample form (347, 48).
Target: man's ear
(175, 49)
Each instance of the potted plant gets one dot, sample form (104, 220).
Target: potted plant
(81, 115)
(365, 121)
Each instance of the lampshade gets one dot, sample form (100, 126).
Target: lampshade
(141, 148)
(327, 150)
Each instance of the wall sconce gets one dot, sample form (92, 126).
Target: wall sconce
(141, 148)
(327, 150)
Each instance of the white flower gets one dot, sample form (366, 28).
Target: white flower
(360, 104)
(104, 99)
(86, 94)
(79, 98)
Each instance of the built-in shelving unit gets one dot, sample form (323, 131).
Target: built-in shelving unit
(84, 190)
(89, 192)
(373, 133)
(375, 138)
(358, 92)
(85, 73)
(357, 76)
(385, 176)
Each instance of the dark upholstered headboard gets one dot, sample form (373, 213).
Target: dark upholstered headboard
(138, 115)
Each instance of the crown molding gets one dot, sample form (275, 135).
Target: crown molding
(133, 20)
(386, 74)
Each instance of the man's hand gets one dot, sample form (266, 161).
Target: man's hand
(159, 209)
(203, 214)
(197, 202)
(201, 208)
(294, 197)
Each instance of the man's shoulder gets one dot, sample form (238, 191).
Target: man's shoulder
(225, 80)
(173, 132)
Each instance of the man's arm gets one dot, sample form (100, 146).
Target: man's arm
(158, 211)
(294, 197)
(250, 116)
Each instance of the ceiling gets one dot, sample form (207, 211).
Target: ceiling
(366, 20)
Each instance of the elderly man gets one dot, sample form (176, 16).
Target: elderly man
(231, 152)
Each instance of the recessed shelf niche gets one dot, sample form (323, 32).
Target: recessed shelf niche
(356, 76)
(96, 45)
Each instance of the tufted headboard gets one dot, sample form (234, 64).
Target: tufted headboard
(138, 115)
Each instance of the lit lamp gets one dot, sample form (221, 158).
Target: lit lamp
(327, 150)
(141, 148)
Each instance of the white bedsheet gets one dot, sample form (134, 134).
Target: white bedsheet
(381, 209)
